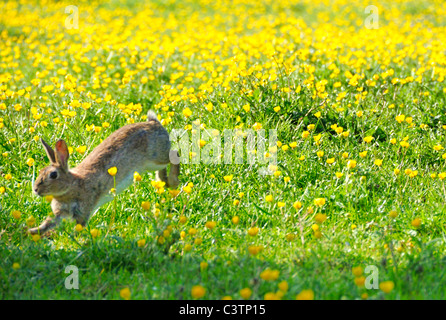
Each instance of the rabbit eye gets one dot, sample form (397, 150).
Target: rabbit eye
(53, 175)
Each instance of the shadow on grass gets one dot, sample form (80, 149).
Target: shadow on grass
(108, 265)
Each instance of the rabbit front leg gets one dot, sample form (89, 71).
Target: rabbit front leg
(48, 224)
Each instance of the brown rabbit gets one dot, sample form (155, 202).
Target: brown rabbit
(78, 192)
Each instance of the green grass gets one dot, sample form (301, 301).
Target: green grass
(358, 230)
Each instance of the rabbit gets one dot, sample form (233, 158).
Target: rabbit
(78, 192)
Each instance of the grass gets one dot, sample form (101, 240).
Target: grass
(336, 83)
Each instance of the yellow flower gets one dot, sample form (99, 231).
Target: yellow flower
(400, 118)
(404, 144)
(368, 139)
(81, 149)
(357, 271)
(211, 224)
(416, 223)
(319, 202)
(297, 205)
(271, 296)
(201, 143)
(30, 221)
(320, 154)
(339, 175)
(305, 134)
(187, 112)
(305, 295)
(269, 198)
(30, 162)
(187, 247)
(320, 218)
(136, 176)
(277, 109)
(16, 214)
(254, 250)
(281, 204)
(204, 265)
(246, 293)
(125, 294)
(351, 164)
(78, 227)
(257, 126)
(413, 173)
(253, 231)
(226, 298)
(386, 286)
(16, 265)
(438, 148)
(393, 214)
(283, 286)
(157, 184)
(228, 178)
(94, 233)
(36, 237)
(378, 162)
(141, 243)
(145, 205)
(360, 281)
(235, 220)
(330, 160)
(174, 193)
(198, 292)
(112, 171)
(187, 189)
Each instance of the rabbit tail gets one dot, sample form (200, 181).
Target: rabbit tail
(152, 116)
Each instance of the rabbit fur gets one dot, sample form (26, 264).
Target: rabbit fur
(78, 192)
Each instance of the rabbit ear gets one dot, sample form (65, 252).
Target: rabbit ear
(49, 151)
(62, 154)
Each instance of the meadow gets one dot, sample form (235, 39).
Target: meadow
(353, 206)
